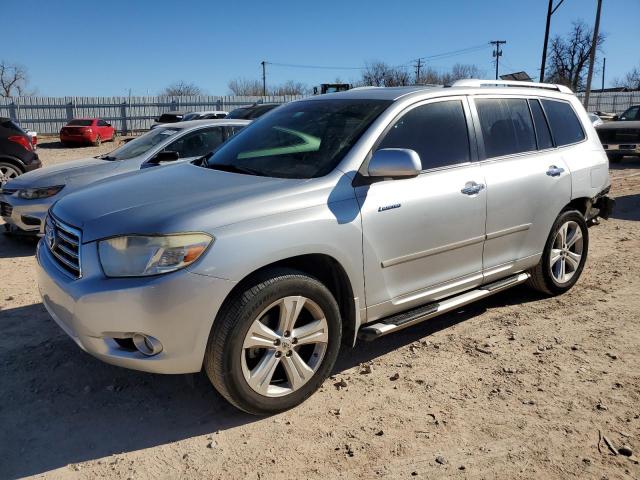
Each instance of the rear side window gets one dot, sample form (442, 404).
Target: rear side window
(542, 128)
(506, 126)
(436, 131)
(565, 126)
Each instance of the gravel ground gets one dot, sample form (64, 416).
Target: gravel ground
(517, 386)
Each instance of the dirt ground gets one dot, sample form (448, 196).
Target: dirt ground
(517, 386)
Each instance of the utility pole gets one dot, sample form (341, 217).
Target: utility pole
(550, 11)
(418, 65)
(604, 67)
(592, 54)
(264, 78)
(497, 53)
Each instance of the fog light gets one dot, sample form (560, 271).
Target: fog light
(146, 344)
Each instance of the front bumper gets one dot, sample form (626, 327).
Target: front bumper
(178, 309)
(26, 216)
(630, 149)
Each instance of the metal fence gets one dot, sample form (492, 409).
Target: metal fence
(611, 102)
(47, 115)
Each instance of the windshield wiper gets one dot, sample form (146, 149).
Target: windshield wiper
(235, 169)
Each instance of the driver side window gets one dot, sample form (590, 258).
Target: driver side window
(632, 113)
(198, 143)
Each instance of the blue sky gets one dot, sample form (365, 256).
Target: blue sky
(106, 48)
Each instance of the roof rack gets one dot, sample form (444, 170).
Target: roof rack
(473, 82)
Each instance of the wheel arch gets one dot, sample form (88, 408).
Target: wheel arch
(324, 268)
(15, 162)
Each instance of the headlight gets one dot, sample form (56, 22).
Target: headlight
(136, 255)
(34, 193)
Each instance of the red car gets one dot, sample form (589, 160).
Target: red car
(87, 130)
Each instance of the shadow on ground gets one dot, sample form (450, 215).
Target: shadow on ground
(12, 246)
(624, 163)
(627, 207)
(61, 406)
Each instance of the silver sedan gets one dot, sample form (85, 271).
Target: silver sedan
(25, 200)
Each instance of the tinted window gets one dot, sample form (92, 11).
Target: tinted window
(102, 123)
(239, 113)
(506, 126)
(198, 143)
(300, 140)
(542, 128)
(631, 114)
(436, 131)
(565, 126)
(80, 123)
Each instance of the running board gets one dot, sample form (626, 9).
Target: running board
(425, 312)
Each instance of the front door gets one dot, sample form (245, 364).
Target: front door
(423, 236)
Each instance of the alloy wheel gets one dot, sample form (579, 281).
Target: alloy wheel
(7, 172)
(284, 346)
(566, 252)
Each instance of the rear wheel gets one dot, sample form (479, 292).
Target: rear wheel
(274, 343)
(8, 172)
(98, 141)
(564, 255)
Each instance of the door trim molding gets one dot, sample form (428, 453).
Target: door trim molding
(432, 251)
(508, 231)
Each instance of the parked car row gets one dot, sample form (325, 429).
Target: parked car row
(344, 216)
(24, 201)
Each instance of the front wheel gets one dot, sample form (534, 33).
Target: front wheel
(8, 172)
(274, 342)
(564, 255)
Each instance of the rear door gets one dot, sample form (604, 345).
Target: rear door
(423, 236)
(528, 181)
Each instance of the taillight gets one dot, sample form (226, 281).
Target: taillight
(86, 129)
(22, 142)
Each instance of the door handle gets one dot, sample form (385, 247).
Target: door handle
(472, 188)
(555, 171)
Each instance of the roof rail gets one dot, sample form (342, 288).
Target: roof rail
(473, 82)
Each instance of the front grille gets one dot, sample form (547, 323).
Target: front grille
(5, 209)
(622, 135)
(64, 243)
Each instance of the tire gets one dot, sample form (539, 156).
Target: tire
(615, 157)
(549, 279)
(97, 142)
(8, 171)
(233, 367)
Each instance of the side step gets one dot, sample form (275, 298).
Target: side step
(425, 312)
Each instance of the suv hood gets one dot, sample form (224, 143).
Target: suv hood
(178, 198)
(64, 174)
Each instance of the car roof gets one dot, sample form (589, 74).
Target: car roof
(204, 112)
(200, 123)
(462, 87)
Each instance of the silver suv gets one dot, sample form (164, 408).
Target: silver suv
(347, 215)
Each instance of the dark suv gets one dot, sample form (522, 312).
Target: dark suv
(16, 151)
(621, 137)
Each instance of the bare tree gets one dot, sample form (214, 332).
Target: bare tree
(631, 80)
(459, 71)
(182, 89)
(13, 79)
(243, 86)
(379, 74)
(570, 56)
(289, 87)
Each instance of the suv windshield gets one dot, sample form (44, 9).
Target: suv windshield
(141, 144)
(301, 140)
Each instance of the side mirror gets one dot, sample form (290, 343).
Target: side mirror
(165, 156)
(395, 162)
